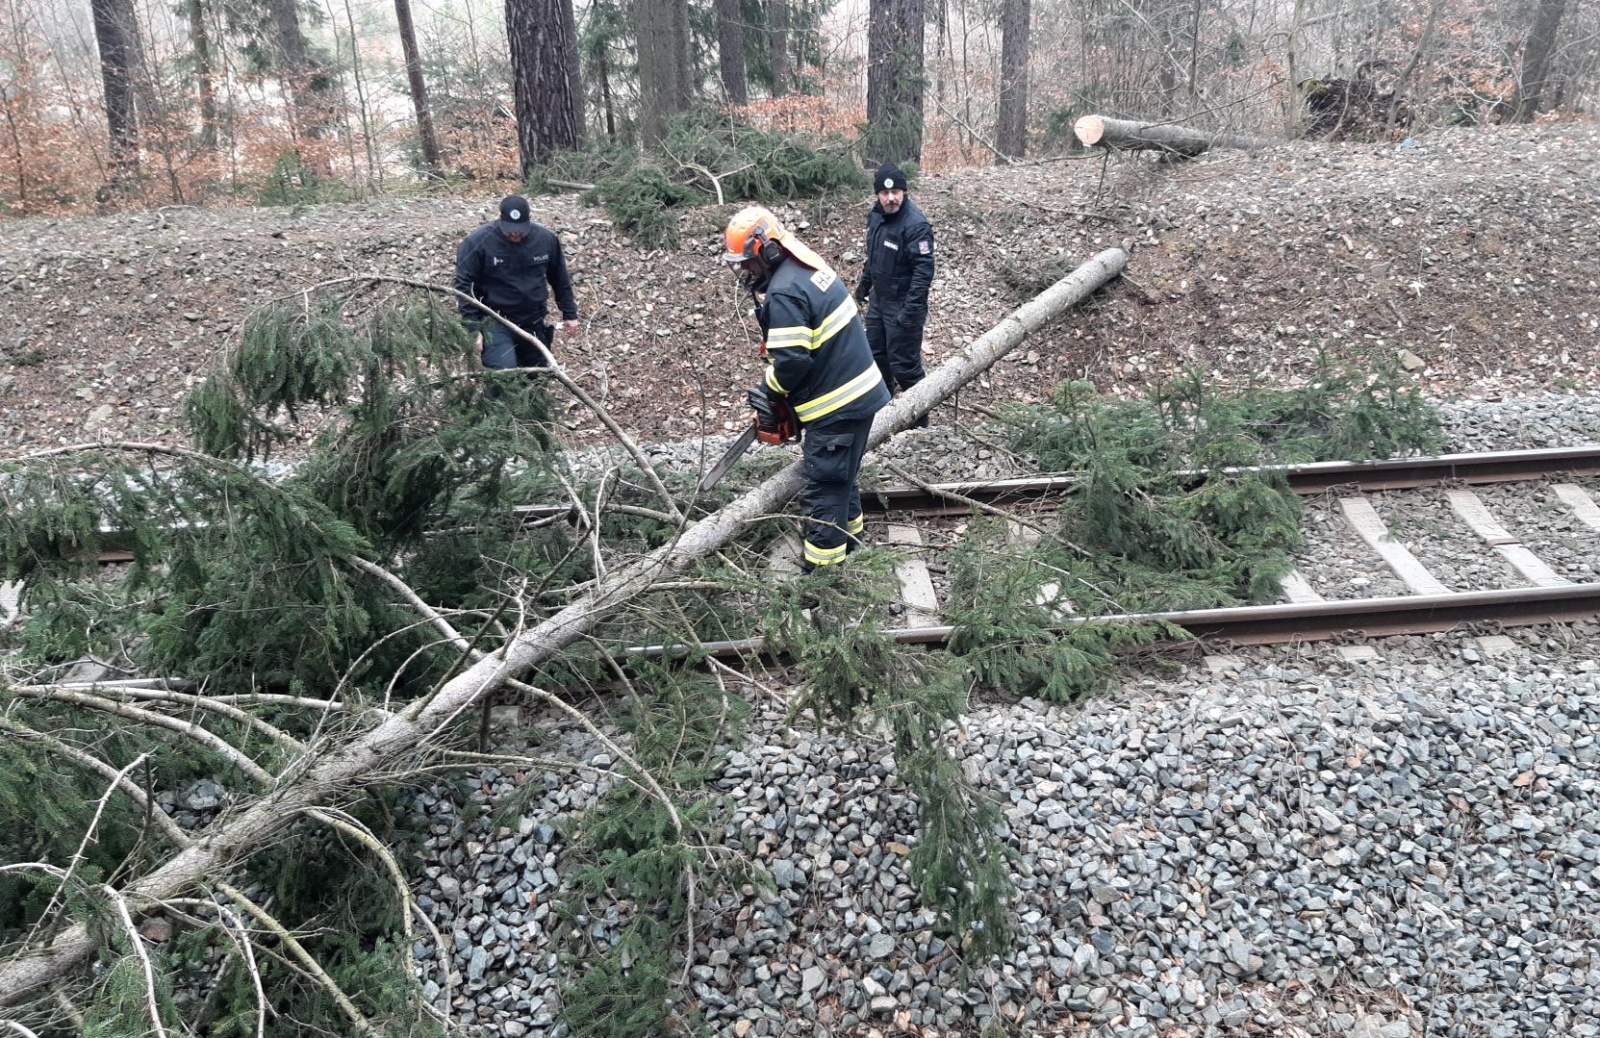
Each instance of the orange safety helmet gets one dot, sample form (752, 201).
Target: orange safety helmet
(750, 232)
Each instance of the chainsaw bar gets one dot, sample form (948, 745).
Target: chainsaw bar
(729, 457)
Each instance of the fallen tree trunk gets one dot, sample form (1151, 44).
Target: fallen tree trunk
(1126, 135)
(339, 768)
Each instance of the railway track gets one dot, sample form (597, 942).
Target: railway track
(1534, 591)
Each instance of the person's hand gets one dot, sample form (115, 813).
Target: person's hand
(573, 327)
(480, 342)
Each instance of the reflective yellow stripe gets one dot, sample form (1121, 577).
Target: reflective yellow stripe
(831, 324)
(772, 379)
(796, 335)
(824, 556)
(855, 526)
(828, 403)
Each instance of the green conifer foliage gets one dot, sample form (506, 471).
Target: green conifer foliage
(245, 580)
(1172, 511)
(645, 194)
(858, 678)
(640, 863)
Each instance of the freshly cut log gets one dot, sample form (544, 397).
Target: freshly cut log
(1126, 135)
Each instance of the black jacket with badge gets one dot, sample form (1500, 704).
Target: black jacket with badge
(513, 278)
(816, 347)
(899, 266)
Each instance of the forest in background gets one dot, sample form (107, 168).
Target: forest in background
(113, 103)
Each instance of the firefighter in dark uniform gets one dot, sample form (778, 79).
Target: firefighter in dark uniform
(512, 264)
(896, 277)
(818, 364)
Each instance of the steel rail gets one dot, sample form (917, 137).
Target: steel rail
(1306, 480)
(1275, 624)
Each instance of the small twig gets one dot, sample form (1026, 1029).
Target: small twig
(152, 1002)
(955, 117)
(982, 506)
(234, 927)
(1087, 214)
(307, 961)
(717, 664)
(353, 828)
(82, 851)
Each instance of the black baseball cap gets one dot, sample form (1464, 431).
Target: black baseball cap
(514, 217)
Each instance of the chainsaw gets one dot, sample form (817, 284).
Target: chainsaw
(771, 421)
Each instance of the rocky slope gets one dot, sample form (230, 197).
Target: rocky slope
(1474, 252)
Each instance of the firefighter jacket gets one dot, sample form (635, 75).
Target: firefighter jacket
(816, 348)
(513, 278)
(899, 267)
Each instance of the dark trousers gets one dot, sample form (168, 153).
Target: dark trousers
(896, 347)
(832, 453)
(504, 349)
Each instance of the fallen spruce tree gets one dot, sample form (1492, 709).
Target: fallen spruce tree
(304, 725)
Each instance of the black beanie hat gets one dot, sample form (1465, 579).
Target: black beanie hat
(888, 178)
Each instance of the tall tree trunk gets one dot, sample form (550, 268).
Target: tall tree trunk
(294, 65)
(1011, 128)
(541, 75)
(608, 104)
(1417, 57)
(1194, 52)
(306, 110)
(895, 80)
(569, 28)
(730, 51)
(426, 138)
(665, 83)
(1294, 120)
(116, 35)
(778, 46)
(1536, 58)
(205, 72)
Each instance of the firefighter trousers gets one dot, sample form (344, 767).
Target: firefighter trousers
(832, 453)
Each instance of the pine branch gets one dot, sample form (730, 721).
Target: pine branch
(90, 762)
(554, 370)
(217, 705)
(307, 963)
(210, 740)
(78, 856)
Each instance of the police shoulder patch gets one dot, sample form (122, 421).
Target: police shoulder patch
(824, 279)
(925, 246)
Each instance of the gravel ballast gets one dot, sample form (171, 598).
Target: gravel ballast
(1287, 841)
(1284, 840)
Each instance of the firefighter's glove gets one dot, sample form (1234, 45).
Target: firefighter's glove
(775, 419)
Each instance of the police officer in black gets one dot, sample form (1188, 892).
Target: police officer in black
(512, 264)
(818, 364)
(896, 278)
